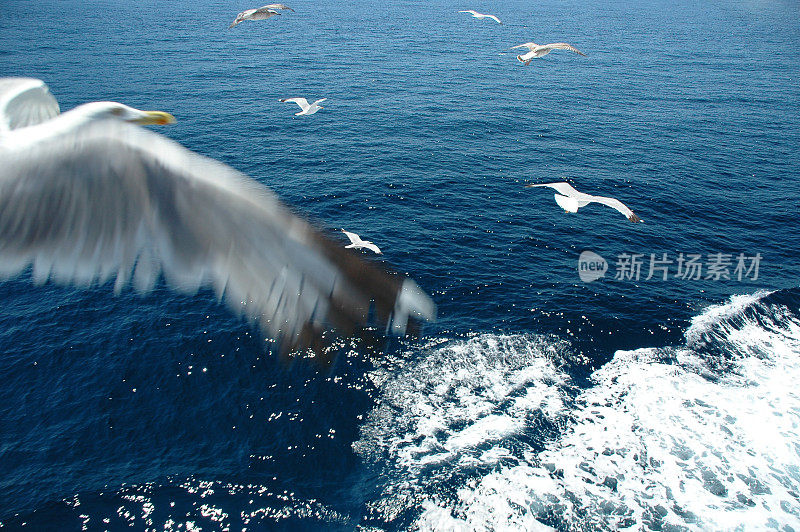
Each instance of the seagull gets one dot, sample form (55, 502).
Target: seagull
(571, 200)
(89, 196)
(262, 13)
(539, 50)
(481, 15)
(357, 243)
(306, 108)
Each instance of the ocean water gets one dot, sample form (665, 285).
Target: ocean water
(537, 400)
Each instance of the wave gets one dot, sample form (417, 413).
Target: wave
(490, 433)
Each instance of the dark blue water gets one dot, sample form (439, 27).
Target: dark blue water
(163, 410)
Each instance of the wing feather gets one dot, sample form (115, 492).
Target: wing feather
(25, 102)
(563, 46)
(114, 199)
(618, 205)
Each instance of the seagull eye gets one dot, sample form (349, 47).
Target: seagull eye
(117, 111)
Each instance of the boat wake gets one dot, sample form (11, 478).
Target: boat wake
(490, 433)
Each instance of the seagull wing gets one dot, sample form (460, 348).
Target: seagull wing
(562, 188)
(25, 102)
(265, 10)
(241, 17)
(354, 238)
(528, 45)
(302, 102)
(618, 205)
(278, 6)
(319, 101)
(114, 200)
(471, 12)
(563, 46)
(372, 247)
(494, 18)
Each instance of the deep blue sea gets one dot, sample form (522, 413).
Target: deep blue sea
(536, 400)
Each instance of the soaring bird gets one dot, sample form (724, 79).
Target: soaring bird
(357, 243)
(262, 13)
(571, 200)
(539, 50)
(305, 107)
(481, 15)
(86, 197)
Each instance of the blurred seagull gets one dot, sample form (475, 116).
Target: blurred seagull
(262, 13)
(357, 243)
(539, 50)
(481, 15)
(305, 107)
(571, 200)
(86, 197)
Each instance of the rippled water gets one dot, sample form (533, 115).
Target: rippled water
(536, 399)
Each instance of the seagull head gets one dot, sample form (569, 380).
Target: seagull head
(118, 111)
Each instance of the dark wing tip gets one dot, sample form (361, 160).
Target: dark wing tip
(369, 302)
(634, 218)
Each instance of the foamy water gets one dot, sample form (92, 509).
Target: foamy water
(656, 442)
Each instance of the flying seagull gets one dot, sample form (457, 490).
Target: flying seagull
(86, 197)
(571, 200)
(481, 15)
(539, 50)
(357, 243)
(305, 107)
(262, 13)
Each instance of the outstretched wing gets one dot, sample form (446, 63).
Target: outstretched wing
(25, 102)
(563, 46)
(354, 238)
(528, 45)
(319, 101)
(302, 102)
(618, 205)
(372, 247)
(278, 6)
(116, 201)
(562, 188)
(493, 18)
(241, 17)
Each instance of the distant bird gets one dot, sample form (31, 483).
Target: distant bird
(481, 15)
(571, 200)
(539, 50)
(357, 243)
(87, 197)
(306, 108)
(262, 13)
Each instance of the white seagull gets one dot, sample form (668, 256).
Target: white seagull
(305, 107)
(357, 243)
(571, 200)
(539, 50)
(87, 197)
(481, 15)
(262, 13)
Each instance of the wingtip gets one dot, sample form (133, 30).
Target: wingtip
(635, 219)
(411, 302)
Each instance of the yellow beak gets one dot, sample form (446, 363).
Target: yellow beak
(155, 118)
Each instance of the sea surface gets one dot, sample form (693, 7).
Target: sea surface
(537, 400)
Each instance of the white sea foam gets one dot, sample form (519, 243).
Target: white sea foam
(651, 445)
